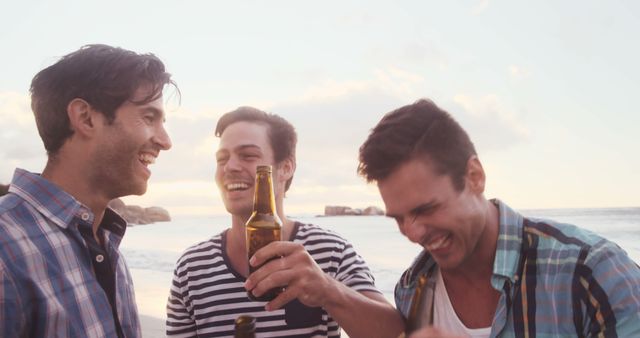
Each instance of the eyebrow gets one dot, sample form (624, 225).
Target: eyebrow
(418, 209)
(247, 146)
(424, 207)
(240, 148)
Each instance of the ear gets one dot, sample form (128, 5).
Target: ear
(286, 168)
(82, 117)
(475, 177)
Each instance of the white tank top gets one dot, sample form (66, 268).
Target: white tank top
(445, 317)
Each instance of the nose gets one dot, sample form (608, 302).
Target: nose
(232, 164)
(412, 229)
(162, 138)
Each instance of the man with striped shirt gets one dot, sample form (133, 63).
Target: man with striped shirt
(327, 284)
(496, 273)
(99, 112)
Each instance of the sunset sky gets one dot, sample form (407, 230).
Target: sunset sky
(545, 89)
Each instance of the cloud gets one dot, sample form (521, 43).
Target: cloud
(518, 72)
(490, 125)
(332, 118)
(480, 7)
(424, 52)
(21, 144)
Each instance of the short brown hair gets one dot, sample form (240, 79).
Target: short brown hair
(419, 130)
(102, 75)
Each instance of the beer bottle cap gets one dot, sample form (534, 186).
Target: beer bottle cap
(264, 168)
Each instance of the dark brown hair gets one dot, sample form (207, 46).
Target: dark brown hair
(102, 75)
(282, 135)
(419, 130)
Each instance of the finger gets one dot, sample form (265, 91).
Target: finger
(287, 295)
(264, 271)
(274, 249)
(277, 279)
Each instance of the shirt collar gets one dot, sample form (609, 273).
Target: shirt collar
(51, 201)
(508, 248)
(57, 205)
(505, 265)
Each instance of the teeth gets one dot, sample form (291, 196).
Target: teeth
(436, 243)
(147, 159)
(237, 186)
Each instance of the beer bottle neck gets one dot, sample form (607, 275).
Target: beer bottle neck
(264, 199)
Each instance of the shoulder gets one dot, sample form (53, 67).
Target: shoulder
(557, 236)
(565, 244)
(587, 259)
(17, 236)
(8, 203)
(318, 240)
(310, 233)
(206, 251)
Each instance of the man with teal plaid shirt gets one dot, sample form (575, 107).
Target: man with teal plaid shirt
(490, 271)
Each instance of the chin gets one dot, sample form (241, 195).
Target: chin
(136, 189)
(238, 209)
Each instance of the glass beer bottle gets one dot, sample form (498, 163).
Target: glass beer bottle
(245, 327)
(264, 226)
(421, 309)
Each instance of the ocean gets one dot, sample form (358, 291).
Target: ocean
(152, 250)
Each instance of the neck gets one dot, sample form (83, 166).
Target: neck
(479, 266)
(68, 174)
(236, 239)
(238, 222)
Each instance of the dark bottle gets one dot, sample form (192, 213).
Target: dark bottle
(245, 327)
(421, 310)
(264, 226)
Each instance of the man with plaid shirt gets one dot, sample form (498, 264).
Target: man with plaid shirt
(491, 272)
(100, 115)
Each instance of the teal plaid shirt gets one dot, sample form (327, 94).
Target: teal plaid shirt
(556, 280)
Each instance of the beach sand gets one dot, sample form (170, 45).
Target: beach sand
(152, 327)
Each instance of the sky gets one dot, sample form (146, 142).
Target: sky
(546, 89)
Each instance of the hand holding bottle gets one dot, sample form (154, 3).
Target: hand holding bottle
(296, 271)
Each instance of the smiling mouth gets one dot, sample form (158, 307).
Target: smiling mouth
(147, 159)
(437, 242)
(236, 186)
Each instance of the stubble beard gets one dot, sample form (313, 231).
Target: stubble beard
(114, 168)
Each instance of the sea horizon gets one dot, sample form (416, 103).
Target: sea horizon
(151, 250)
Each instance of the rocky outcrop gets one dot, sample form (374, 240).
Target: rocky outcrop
(373, 211)
(135, 214)
(338, 210)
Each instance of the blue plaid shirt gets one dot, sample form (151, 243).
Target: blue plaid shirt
(556, 280)
(47, 284)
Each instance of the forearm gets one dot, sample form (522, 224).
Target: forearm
(363, 314)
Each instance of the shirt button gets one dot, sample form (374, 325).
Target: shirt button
(99, 258)
(85, 216)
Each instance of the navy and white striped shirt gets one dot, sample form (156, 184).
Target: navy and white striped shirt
(207, 295)
(47, 283)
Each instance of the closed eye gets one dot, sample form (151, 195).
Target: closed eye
(425, 209)
(222, 159)
(151, 115)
